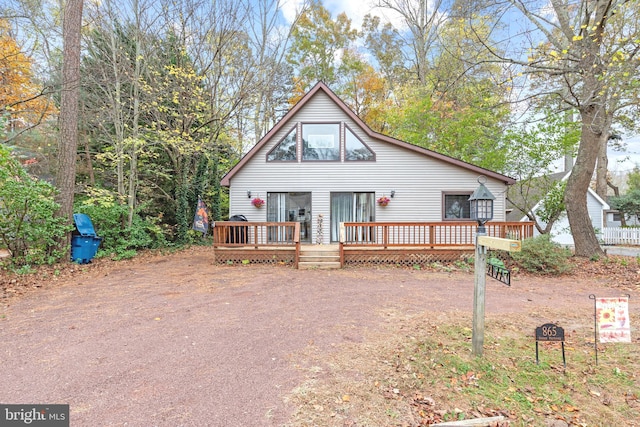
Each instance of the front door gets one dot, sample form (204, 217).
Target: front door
(295, 207)
(351, 207)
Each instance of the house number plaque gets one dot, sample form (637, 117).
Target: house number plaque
(553, 333)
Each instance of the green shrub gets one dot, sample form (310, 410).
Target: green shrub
(110, 217)
(541, 255)
(29, 228)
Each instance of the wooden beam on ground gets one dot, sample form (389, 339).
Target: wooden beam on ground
(476, 422)
(508, 245)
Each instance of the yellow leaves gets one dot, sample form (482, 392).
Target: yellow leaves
(577, 38)
(19, 94)
(618, 56)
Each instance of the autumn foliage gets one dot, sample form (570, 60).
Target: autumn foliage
(22, 101)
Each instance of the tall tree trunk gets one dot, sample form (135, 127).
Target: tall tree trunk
(601, 168)
(133, 154)
(584, 236)
(69, 108)
(616, 193)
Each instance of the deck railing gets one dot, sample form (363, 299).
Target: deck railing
(377, 242)
(426, 234)
(256, 234)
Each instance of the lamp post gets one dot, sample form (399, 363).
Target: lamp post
(481, 203)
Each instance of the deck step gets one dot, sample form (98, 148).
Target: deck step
(325, 265)
(320, 257)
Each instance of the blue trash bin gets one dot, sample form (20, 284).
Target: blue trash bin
(84, 242)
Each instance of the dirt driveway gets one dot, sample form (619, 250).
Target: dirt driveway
(177, 341)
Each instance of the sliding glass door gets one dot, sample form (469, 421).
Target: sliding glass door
(350, 207)
(282, 207)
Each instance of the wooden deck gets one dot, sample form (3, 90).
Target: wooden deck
(400, 243)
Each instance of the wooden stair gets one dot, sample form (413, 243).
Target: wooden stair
(319, 257)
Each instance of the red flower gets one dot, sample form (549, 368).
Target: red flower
(384, 201)
(257, 202)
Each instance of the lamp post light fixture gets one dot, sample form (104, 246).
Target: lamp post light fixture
(481, 203)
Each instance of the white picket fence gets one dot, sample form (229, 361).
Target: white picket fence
(620, 236)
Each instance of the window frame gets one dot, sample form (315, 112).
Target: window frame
(465, 194)
(275, 147)
(373, 153)
(302, 141)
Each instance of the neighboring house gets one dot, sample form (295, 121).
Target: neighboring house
(321, 164)
(560, 231)
(614, 219)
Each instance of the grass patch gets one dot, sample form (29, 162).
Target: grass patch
(421, 372)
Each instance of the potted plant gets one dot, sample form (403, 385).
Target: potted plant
(257, 202)
(384, 201)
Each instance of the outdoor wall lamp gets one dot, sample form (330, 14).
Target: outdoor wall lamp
(393, 193)
(249, 194)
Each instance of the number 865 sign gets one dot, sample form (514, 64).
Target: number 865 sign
(549, 332)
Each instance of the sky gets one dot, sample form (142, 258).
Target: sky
(626, 161)
(355, 10)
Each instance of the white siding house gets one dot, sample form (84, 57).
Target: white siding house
(560, 231)
(613, 219)
(321, 159)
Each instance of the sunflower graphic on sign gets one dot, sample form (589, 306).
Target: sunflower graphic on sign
(607, 317)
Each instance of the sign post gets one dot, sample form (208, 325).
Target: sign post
(477, 338)
(482, 243)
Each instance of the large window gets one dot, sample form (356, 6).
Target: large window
(456, 206)
(286, 150)
(321, 141)
(354, 149)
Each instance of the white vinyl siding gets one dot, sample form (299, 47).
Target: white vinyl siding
(418, 180)
(561, 231)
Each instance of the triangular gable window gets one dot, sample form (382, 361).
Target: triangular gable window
(286, 150)
(355, 149)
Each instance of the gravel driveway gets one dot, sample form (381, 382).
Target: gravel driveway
(177, 341)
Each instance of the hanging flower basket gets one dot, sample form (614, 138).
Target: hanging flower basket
(384, 201)
(257, 202)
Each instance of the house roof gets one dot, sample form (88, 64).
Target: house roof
(537, 196)
(321, 87)
(534, 195)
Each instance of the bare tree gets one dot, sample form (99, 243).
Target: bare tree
(423, 19)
